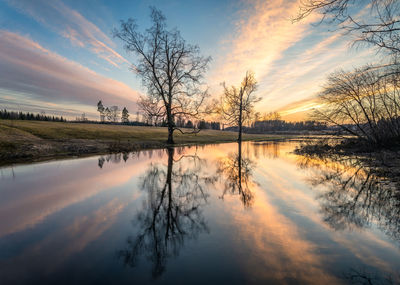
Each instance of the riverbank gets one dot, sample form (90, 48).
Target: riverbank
(22, 141)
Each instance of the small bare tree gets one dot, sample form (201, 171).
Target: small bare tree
(237, 103)
(170, 69)
(114, 110)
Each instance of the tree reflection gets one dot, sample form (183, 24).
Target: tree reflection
(356, 193)
(370, 276)
(270, 149)
(113, 158)
(172, 213)
(237, 172)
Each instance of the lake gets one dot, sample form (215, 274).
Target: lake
(254, 213)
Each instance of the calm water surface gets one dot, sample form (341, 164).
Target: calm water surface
(199, 215)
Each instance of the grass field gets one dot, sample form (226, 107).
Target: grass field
(33, 140)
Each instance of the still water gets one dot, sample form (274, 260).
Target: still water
(250, 214)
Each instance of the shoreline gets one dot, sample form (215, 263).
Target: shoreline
(27, 158)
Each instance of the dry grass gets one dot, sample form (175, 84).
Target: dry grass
(66, 131)
(34, 139)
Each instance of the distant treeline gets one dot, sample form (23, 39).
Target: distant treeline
(267, 126)
(281, 125)
(209, 125)
(201, 125)
(129, 123)
(12, 115)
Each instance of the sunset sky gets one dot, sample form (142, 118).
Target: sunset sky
(60, 57)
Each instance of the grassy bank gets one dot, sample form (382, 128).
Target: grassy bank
(38, 140)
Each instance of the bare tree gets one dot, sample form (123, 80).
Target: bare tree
(170, 69)
(364, 103)
(114, 113)
(237, 103)
(380, 28)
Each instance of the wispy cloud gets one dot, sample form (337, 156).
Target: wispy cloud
(290, 60)
(299, 110)
(263, 32)
(29, 68)
(72, 25)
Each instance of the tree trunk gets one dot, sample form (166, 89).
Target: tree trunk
(240, 117)
(169, 182)
(240, 131)
(170, 134)
(240, 166)
(170, 123)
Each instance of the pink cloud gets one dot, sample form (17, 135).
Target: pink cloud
(71, 25)
(29, 68)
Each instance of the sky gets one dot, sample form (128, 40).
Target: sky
(59, 56)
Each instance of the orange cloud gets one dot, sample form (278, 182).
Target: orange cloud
(299, 110)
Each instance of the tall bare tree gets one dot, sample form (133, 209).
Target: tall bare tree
(237, 103)
(170, 69)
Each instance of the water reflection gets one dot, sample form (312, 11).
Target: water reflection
(161, 212)
(356, 194)
(172, 213)
(236, 170)
(270, 149)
